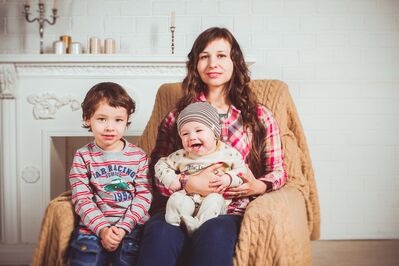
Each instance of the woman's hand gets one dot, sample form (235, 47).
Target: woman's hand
(250, 187)
(221, 182)
(200, 183)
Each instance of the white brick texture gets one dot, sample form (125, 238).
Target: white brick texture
(340, 59)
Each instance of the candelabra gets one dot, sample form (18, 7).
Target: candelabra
(41, 20)
(172, 29)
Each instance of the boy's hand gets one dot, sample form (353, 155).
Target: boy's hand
(119, 232)
(220, 182)
(175, 185)
(109, 240)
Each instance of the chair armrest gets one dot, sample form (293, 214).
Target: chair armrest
(274, 230)
(58, 223)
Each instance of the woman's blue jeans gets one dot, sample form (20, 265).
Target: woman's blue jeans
(168, 245)
(85, 249)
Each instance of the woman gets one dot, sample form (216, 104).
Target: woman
(216, 73)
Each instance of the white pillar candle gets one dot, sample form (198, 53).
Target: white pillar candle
(27, 2)
(59, 47)
(41, 2)
(173, 19)
(55, 4)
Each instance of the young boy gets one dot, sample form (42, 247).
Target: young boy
(111, 191)
(199, 129)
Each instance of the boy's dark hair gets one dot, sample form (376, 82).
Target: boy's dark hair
(111, 93)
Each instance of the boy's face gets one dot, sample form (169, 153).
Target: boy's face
(197, 139)
(108, 125)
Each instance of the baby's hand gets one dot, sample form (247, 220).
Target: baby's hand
(175, 185)
(220, 182)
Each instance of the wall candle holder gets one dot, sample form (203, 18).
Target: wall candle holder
(41, 20)
(172, 29)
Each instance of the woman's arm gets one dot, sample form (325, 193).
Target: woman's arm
(275, 173)
(250, 187)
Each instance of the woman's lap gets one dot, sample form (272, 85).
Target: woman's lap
(215, 240)
(212, 244)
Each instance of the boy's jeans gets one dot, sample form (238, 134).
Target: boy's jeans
(86, 249)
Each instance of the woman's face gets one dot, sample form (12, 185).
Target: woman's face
(215, 66)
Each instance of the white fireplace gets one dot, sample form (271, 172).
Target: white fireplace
(40, 98)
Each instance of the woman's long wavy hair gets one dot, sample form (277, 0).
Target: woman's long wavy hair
(237, 90)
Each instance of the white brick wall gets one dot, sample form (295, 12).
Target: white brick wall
(340, 59)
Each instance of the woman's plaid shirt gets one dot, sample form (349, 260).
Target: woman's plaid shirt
(234, 134)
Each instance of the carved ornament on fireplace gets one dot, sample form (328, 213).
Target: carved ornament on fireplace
(30, 174)
(8, 77)
(46, 105)
(83, 70)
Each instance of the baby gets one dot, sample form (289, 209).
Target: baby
(199, 129)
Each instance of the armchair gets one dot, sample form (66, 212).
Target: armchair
(277, 226)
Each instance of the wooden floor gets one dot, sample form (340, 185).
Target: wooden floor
(356, 252)
(353, 253)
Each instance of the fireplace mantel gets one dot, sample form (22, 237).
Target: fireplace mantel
(40, 98)
(91, 58)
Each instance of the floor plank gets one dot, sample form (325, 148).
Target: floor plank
(355, 252)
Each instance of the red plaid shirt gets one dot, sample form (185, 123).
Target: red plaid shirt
(234, 134)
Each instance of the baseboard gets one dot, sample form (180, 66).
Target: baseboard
(16, 254)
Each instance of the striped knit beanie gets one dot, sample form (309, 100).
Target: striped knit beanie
(201, 112)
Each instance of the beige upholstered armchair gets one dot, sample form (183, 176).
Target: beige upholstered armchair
(277, 227)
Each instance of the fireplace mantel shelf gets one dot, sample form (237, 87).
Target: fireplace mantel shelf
(97, 58)
(89, 58)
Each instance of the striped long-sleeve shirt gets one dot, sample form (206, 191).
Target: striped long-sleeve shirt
(110, 188)
(233, 133)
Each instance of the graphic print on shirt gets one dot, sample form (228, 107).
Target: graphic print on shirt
(116, 185)
(194, 168)
(114, 170)
(118, 188)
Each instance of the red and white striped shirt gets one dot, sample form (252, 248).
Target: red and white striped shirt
(110, 188)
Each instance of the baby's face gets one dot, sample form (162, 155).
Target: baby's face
(197, 139)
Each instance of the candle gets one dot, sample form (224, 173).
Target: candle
(94, 45)
(173, 19)
(27, 2)
(109, 46)
(41, 2)
(55, 4)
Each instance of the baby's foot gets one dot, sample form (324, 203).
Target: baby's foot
(191, 224)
